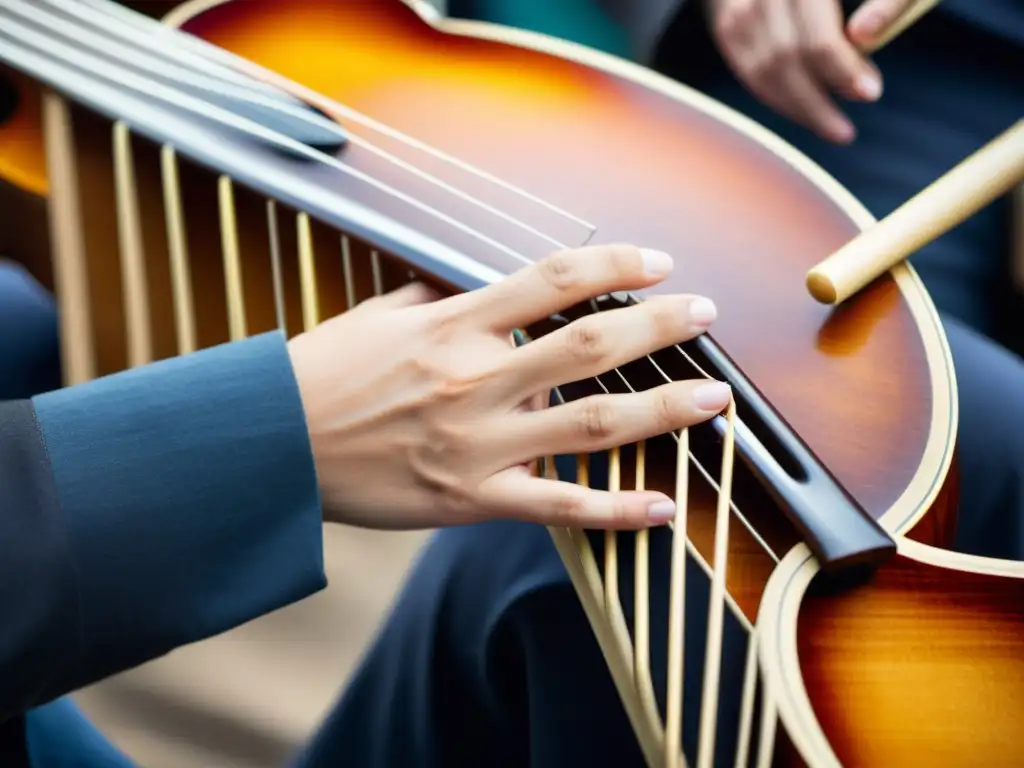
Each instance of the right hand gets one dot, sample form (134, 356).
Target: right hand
(422, 412)
(795, 54)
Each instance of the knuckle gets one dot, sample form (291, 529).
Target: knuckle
(782, 57)
(823, 51)
(560, 269)
(621, 515)
(734, 19)
(450, 437)
(570, 507)
(596, 419)
(668, 414)
(587, 341)
(624, 261)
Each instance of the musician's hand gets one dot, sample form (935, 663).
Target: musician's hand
(795, 55)
(422, 413)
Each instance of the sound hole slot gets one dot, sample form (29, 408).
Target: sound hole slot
(837, 529)
(839, 532)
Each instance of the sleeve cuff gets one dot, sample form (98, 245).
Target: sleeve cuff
(190, 496)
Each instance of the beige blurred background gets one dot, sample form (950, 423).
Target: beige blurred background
(250, 697)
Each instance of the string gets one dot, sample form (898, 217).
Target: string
(640, 668)
(613, 605)
(696, 462)
(175, 95)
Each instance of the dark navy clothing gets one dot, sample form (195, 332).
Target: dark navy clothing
(1000, 18)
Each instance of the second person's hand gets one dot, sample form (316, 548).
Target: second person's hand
(796, 55)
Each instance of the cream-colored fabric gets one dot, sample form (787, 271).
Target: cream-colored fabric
(249, 698)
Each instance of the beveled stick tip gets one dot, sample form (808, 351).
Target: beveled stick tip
(821, 287)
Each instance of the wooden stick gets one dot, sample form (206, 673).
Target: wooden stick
(984, 176)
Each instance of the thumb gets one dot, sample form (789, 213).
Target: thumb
(872, 22)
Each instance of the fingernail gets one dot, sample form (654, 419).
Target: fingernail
(712, 397)
(661, 512)
(869, 87)
(702, 312)
(656, 263)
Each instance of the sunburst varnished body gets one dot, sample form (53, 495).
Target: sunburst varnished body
(885, 667)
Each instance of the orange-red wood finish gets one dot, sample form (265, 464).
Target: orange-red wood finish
(742, 225)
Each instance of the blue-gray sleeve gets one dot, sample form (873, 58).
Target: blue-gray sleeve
(148, 510)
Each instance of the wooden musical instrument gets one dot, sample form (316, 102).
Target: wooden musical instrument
(174, 190)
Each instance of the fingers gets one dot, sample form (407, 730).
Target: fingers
(832, 56)
(516, 495)
(792, 54)
(597, 343)
(763, 42)
(604, 421)
(795, 92)
(873, 19)
(562, 280)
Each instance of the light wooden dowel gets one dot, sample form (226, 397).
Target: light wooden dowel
(986, 175)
